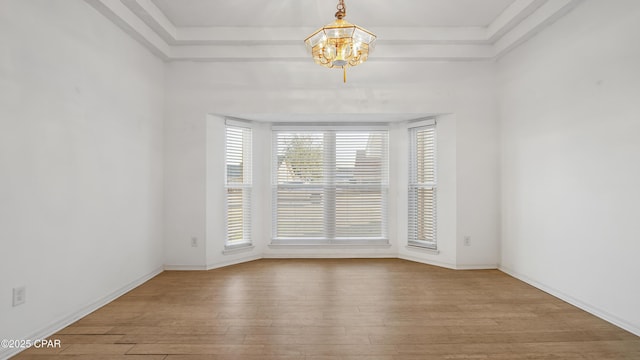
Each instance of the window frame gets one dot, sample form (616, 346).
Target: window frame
(413, 186)
(329, 206)
(246, 186)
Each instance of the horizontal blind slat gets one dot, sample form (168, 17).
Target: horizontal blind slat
(330, 183)
(238, 156)
(422, 187)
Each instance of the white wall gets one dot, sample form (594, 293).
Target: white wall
(570, 115)
(194, 196)
(80, 163)
(82, 151)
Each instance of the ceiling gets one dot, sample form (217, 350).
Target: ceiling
(314, 13)
(274, 30)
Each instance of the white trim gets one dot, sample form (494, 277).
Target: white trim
(246, 149)
(413, 185)
(240, 260)
(238, 249)
(338, 242)
(330, 126)
(143, 21)
(69, 319)
(184, 267)
(446, 264)
(339, 255)
(423, 249)
(329, 246)
(427, 261)
(477, 267)
(604, 315)
(541, 18)
(421, 123)
(238, 122)
(285, 225)
(215, 265)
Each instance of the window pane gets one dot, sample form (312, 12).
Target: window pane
(425, 156)
(422, 187)
(238, 214)
(300, 213)
(422, 214)
(238, 182)
(235, 155)
(330, 184)
(300, 158)
(359, 212)
(359, 157)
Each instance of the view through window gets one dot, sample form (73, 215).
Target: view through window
(238, 185)
(422, 187)
(330, 186)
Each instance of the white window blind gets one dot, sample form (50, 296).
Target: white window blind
(330, 185)
(238, 185)
(422, 187)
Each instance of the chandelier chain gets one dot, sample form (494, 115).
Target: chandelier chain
(342, 10)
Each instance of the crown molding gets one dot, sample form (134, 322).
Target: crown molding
(146, 23)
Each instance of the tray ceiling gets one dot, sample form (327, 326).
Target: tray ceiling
(314, 13)
(274, 30)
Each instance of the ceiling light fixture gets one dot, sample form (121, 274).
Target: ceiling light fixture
(340, 44)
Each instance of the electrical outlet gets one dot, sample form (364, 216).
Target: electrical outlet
(19, 295)
(194, 242)
(467, 241)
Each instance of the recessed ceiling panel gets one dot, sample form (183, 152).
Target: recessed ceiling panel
(273, 30)
(315, 13)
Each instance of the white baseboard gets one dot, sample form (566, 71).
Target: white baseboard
(328, 256)
(184, 267)
(235, 261)
(604, 315)
(477, 267)
(67, 320)
(427, 261)
(244, 259)
(447, 265)
(213, 265)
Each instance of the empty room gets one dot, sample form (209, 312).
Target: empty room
(319, 179)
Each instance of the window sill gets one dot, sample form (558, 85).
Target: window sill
(423, 249)
(377, 244)
(238, 249)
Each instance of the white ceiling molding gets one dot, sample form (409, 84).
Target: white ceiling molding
(548, 13)
(146, 23)
(133, 25)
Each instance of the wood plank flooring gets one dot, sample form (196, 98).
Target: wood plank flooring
(374, 309)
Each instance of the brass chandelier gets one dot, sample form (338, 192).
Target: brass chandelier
(340, 44)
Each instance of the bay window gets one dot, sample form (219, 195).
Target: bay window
(330, 185)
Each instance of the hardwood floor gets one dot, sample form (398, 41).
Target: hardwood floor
(374, 309)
